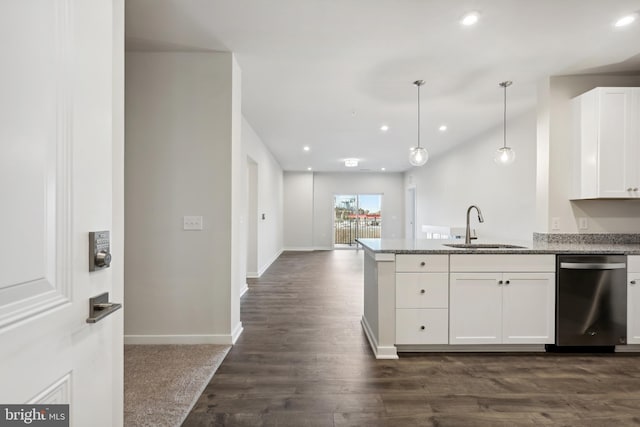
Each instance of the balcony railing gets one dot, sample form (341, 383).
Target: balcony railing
(347, 230)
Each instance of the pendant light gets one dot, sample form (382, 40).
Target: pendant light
(505, 155)
(418, 156)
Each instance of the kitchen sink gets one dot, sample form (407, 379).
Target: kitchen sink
(483, 246)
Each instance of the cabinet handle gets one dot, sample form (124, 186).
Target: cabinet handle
(633, 282)
(422, 291)
(499, 282)
(422, 264)
(635, 189)
(629, 189)
(422, 328)
(507, 282)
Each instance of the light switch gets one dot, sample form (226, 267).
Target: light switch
(192, 223)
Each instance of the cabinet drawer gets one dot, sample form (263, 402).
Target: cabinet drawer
(422, 326)
(422, 263)
(633, 264)
(422, 290)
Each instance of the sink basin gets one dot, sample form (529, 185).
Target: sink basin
(484, 246)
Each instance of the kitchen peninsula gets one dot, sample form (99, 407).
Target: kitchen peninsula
(423, 295)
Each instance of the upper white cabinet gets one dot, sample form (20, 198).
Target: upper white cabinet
(606, 141)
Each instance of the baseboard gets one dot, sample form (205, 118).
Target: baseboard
(378, 351)
(268, 264)
(473, 348)
(244, 290)
(236, 333)
(183, 339)
(252, 275)
(299, 249)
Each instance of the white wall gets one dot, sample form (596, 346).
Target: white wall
(182, 155)
(556, 154)
(298, 210)
(448, 184)
(326, 185)
(270, 199)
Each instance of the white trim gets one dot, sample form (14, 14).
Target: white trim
(378, 351)
(303, 249)
(489, 348)
(631, 348)
(268, 264)
(323, 248)
(236, 333)
(252, 275)
(243, 290)
(57, 393)
(181, 339)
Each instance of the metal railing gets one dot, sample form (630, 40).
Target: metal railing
(347, 230)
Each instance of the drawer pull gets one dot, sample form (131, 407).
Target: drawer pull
(422, 291)
(422, 328)
(633, 282)
(500, 282)
(422, 264)
(507, 282)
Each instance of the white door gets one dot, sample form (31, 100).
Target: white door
(528, 308)
(57, 141)
(475, 308)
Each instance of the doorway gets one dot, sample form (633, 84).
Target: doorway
(356, 216)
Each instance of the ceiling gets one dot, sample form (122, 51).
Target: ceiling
(328, 74)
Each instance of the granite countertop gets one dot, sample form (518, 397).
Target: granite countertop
(436, 246)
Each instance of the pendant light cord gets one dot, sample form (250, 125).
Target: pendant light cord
(504, 121)
(418, 115)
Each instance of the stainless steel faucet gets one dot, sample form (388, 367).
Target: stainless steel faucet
(467, 239)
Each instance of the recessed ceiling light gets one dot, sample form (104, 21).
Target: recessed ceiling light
(351, 163)
(383, 169)
(384, 128)
(306, 148)
(309, 168)
(626, 20)
(442, 128)
(470, 19)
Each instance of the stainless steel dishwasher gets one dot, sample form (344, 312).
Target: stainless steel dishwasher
(591, 300)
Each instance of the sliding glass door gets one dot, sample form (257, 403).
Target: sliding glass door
(356, 216)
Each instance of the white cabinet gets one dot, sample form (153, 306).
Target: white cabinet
(633, 300)
(606, 139)
(422, 299)
(499, 304)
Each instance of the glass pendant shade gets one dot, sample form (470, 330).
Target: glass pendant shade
(504, 156)
(418, 156)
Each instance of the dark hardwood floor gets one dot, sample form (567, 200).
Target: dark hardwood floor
(303, 360)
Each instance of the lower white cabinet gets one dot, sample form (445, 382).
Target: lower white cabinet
(633, 300)
(502, 308)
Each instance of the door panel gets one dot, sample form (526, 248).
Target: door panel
(56, 186)
(528, 307)
(475, 308)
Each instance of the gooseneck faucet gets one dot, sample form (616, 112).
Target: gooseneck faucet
(467, 239)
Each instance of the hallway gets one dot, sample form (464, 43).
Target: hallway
(303, 360)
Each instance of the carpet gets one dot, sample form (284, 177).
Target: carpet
(163, 382)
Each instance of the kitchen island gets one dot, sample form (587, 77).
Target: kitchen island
(422, 295)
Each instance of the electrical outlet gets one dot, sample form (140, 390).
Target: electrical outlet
(583, 223)
(555, 223)
(192, 223)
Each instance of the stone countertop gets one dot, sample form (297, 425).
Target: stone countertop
(436, 246)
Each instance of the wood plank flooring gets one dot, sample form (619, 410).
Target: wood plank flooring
(303, 360)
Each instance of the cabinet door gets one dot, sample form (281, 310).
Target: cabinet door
(633, 308)
(475, 309)
(528, 308)
(617, 143)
